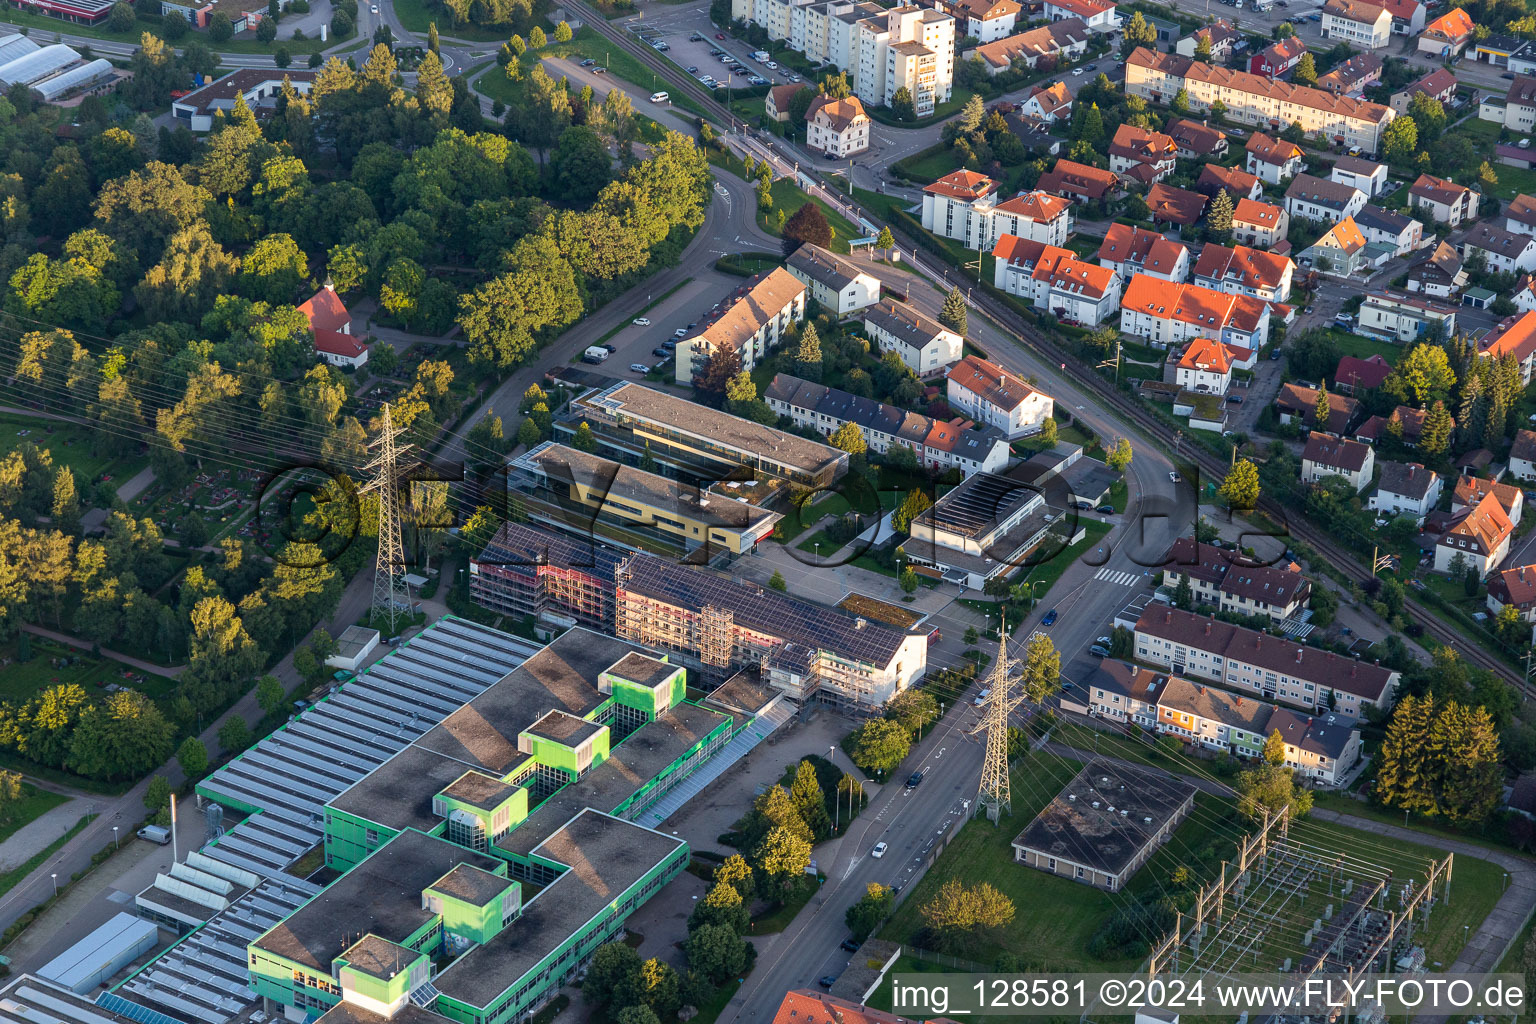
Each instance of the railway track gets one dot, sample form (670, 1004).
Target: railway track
(1129, 410)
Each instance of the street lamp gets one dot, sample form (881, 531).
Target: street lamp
(837, 805)
(114, 837)
(55, 883)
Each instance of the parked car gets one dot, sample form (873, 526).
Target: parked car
(1099, 651)
(827, 980)
(1050, 618)
(1084, 506)
(719, 35)
(639, 367)
(641, 321)
(878, 851)
(1105, 510)
(850, 945)
(588, 62)
(1235, 399)
(611, 347)
(680, 333)
(599, 70)
(661, 353)
(693, 69)
(1106, 641)
(1175, 478)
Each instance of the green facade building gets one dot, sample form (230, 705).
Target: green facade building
(531, 787)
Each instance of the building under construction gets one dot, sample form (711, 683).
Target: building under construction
(549, 577)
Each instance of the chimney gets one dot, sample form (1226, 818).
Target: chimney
(1298, 655)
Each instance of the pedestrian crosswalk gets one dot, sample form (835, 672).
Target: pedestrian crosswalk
(1117, 577)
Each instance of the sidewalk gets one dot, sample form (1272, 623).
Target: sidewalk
(35, 836)
(106, 652)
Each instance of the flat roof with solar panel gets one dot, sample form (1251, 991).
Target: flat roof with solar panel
(763, 609)
(974, 508)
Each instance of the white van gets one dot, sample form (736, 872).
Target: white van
(155, 834)
(659, 97)
(761, 56)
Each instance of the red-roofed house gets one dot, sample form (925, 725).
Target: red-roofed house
(1169, 314)
(1516, 587)
(1407, 16)
(1244, 271)
(1177, 206)
(1515, 336)
(1099, 15)
(1522, 455)
(1355, 374)
(1358, 22)
(1470, 490)
(989, 394)
(1142, 156)
(1273, 160)
(1277, 58)
(332, 327)
(1222, 35)
(1261, 225)
(1077, 181)
(1035, 215)
(1439, 84)
(1479, 534)
(1204, 365)
(1129, 250)
(1241, 184)
(1048, 103)
(1054, 279)
(1446, 36)
(1446, 201)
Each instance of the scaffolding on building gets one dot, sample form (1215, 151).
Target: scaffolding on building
(717, 636)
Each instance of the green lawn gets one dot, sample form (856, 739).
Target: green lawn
(1050, 570)
(879, 204)
(70, 445)
(417, 14)
(1363, 347)
(34, 803)
(788, 197)
(930, 164)
(777, 918)
(958, 97)
(586, 43)
(20, 681)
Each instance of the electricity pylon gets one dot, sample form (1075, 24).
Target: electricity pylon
(995, 794)
(391, 595)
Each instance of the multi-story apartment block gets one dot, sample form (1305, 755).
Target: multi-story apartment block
(1225, 579)
(808, 652)
(1244, 271)
(963, 205)
(1258, 663)
(937, 444)
(835, 283)
(750, 326)
(1204, 366)
(1368, 176)
(1358, 23)
(1170, 314)
(1055, 280)
(882, 50)
(982, 20)
(926, 346)
(989, 394)
(1129, 250)
(1255, 100)
(906, 48)
(1322, 749)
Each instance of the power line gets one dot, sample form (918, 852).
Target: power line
(391, 594)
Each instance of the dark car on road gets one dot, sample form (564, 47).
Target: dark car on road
(827, 980)
(1050, 618)
(914, 779)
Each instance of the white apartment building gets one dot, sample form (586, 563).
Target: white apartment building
(906, 47)
(1169, 314)
(1240, 270)
(989, 394)
(1404, 318)
(1506, 252)
(963, 205)
(1257, 663)
(1255, 100)
(752, 325)
(1054, 279)
(924, 345)
(1326, 455)
(1406, 489)
(1358, 23)
(836, 283)
(837, 128)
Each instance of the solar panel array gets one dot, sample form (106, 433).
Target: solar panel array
(203, 978)
(974, 506)
(290, 775)
(766, 611)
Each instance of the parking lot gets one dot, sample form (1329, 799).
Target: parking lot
(696, 46)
